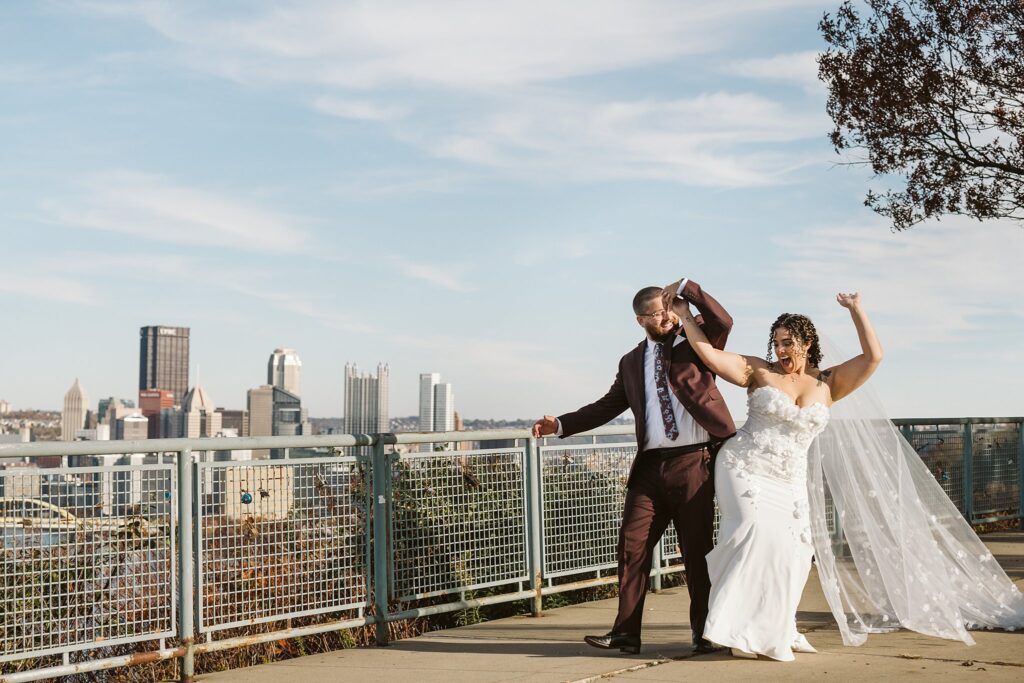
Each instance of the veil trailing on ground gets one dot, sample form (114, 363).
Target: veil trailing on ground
(896, 553)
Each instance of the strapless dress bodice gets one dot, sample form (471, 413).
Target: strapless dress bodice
(776, 436)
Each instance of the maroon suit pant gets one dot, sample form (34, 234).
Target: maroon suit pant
(677, 489)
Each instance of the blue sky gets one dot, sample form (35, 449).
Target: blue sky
(457, 187)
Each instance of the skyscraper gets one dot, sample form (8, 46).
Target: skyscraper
(75, 406)
(133, 427)
(163, 359)
(152, 404)
(200, 417)
(237, 420)
(366, 401)
(275, 412)
(284, 371)
(260, 404)
(112, 409)
(427, 383)
(444, 408)
(289, 415)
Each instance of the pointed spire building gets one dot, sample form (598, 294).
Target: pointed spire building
(75, 407)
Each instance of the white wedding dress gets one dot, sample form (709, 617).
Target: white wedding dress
(908, 558)
(760, 565)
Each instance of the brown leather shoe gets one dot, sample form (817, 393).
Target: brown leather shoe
(626, 643)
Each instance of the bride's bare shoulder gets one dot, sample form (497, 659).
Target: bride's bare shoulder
(761, 372)
(824, 377)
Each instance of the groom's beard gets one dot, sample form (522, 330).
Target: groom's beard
(662, 337)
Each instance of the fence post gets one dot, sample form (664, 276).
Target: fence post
(186, 563)
(656, 562)
(381, 533)
(907, 432)
(1020, 473)
(968, 472)
(535, 524)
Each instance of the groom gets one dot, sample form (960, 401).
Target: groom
(681, 421)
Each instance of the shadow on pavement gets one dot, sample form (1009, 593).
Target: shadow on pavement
(1008, 551)
(528, 648)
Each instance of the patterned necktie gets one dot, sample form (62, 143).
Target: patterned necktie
(661, 382)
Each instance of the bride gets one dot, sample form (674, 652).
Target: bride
(907, 558)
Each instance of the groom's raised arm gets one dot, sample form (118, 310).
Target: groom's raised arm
(717, 323)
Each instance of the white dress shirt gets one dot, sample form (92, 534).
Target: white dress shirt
(689, 431)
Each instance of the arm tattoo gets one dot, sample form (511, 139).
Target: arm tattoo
(824, 375)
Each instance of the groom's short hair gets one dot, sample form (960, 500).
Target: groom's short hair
(644, 297)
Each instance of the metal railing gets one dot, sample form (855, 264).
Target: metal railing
(117, 553)
(977, 462)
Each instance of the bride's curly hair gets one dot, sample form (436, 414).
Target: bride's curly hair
(801, 327)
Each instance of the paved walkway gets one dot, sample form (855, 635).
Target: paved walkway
(550, 649)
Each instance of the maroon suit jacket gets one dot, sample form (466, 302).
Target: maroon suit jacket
(691, 381)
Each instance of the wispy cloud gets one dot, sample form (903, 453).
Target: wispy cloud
(450, 44)
(931, 284)
(714, 139)
(82, 277)
(297, 302)
(24, 74)
(47, 286)
(522, 362)
(555, 248)
(359, 110)
(159, 209)
(795, 67)
(367, 184)
(36, 74)
(441, 276)
(494, 89)
(85, 277)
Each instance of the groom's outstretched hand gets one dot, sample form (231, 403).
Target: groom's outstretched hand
(545, 426)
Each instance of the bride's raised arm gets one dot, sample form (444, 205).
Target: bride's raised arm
(732, 367)
(849, 375)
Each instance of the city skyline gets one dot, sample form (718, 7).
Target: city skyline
(284, 369)
(273, 183)
(283, 372)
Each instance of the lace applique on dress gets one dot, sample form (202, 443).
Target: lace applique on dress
(774, 440)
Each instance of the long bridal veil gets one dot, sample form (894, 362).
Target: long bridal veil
(895, 552)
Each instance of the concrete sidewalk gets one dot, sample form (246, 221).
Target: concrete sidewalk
(550, 649)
